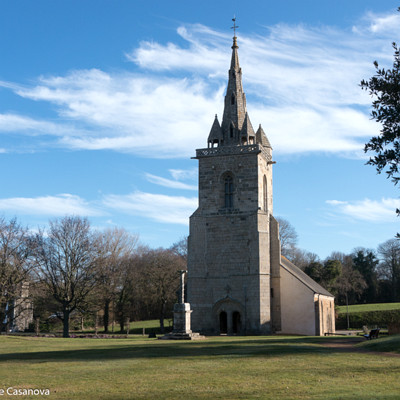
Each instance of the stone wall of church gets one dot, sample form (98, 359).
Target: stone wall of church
(228, 261)
(213, 171)
(275, 260)
(224, 268)
(297, 305)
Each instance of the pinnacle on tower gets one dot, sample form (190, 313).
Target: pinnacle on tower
(215, 136)
(236, 128)
(261, 137)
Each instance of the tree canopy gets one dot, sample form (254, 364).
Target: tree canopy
(384, 87)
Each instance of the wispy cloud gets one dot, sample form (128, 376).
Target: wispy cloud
(126, 112)
(158, 207)
(53, 206)
(203, 55)
(170, 183)
(368, 210)
(184, 174)
(35, 127)
(302, 84)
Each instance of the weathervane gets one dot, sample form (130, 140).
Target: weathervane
(234, 27)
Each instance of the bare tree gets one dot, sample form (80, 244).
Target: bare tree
(287, 235)
(160, 279)
(126, 291)
(350, 285)
(116, 245)
(302, 258)
(180, 248)
(66, 261)
(389, 267)
(15, 267)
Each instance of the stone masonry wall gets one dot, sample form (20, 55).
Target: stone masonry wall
(228, 262)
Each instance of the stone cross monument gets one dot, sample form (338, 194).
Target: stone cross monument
(182, 311)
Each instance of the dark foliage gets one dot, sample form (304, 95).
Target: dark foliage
(384, 86)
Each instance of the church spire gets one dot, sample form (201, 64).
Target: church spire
(235, 100)
(236, 128)
(235, 57)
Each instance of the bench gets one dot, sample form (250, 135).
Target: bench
(373, 334)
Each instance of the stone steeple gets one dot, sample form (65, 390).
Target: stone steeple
(236, 128)
(237, 282)
(235, 102)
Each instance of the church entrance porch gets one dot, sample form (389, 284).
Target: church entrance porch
(228, 317)
(230, 323)
(236, 323)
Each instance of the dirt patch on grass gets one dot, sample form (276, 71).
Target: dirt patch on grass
(348, 344)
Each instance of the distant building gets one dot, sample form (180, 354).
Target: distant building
(238, 282)
(21, 311)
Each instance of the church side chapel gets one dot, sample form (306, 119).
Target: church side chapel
(238, 282)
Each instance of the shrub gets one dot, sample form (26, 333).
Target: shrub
(369, 318)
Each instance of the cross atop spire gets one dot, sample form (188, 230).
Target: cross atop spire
(236, 128)
(234, 27)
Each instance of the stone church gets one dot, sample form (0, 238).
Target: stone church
(238, 282)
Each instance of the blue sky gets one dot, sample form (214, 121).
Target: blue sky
(102, 104)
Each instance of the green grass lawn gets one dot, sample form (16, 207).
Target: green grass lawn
(136, 327)
(273, 367)
(369, 307)
(385, 344)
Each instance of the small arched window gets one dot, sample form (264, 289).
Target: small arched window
(228, 192)
(231, 131)
(233, 99)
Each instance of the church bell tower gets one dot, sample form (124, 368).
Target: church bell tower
(233, 248)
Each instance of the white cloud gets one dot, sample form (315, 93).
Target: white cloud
(127, 113)
(368, 210)
(22, 124)
(387, 24)
(158, 207)
(59, 205)
(302, 84)
(203, 55)
(183, 174)
(173, 184)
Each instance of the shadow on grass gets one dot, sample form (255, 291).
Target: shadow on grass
(236, 348)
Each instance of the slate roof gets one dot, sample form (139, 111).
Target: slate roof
(261, 137)
(215, 132)
(247, 128)
(303, 277)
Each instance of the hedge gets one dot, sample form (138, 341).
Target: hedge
(368, 318)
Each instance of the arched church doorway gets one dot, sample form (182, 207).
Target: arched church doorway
(223, 322)
(236, 323)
